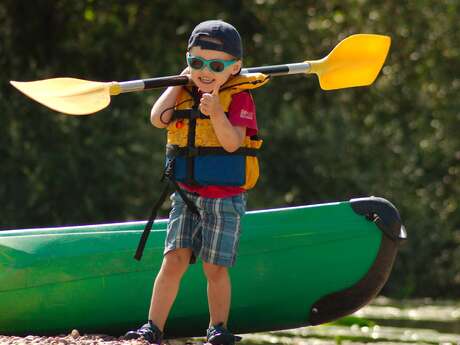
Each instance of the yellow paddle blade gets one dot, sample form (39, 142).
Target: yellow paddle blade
(68, 95)
(355, 61)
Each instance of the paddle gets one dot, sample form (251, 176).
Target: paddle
(355, 61)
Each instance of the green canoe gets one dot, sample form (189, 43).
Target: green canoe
(297, 266)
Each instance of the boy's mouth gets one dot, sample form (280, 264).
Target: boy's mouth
(205, 80)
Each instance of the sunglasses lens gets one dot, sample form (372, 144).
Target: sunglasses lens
(217, 66)
(195, 63)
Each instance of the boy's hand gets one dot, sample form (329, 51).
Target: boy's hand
(210, 103)
(186, 71)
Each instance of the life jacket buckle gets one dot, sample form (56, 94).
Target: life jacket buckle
(172, 151)
(169, 169)
(194, 114)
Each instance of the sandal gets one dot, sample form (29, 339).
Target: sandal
(149, 332)
(219, 335)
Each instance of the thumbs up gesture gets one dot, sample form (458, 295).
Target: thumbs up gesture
(210, 103)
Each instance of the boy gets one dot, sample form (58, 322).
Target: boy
(211, 153)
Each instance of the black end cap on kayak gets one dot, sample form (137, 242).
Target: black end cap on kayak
(383, 213)
(345, 302)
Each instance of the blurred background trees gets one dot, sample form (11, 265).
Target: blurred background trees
(398, 139)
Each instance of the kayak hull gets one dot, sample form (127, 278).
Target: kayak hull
(296, 266)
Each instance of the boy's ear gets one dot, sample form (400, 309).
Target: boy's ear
(236, 67)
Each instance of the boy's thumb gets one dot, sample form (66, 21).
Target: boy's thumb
(216, 90)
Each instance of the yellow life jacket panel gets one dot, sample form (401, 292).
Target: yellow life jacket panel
(197, 155)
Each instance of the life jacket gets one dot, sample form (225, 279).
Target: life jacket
(194, 150)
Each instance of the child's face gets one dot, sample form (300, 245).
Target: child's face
(207, 80)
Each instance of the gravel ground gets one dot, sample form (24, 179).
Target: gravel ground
(74, 338)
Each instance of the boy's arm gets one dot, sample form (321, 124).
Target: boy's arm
(231, 137)
(162, 110)
(166, 101)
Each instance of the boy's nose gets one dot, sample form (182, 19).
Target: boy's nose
(207, 69)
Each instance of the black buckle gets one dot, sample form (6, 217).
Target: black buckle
(172, 151)
(195, 114)
(169, 169)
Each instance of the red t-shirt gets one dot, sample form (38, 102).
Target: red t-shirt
(242, 112)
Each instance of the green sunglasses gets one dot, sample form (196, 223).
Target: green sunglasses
(215, 65)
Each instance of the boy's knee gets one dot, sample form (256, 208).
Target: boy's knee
(214, 272)
(176, 262)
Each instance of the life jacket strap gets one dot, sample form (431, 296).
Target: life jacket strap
(168, 174)
(174, 151)
(188, 114)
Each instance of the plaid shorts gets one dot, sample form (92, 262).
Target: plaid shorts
(214, 235)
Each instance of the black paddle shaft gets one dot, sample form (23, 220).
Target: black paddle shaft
(176, 80)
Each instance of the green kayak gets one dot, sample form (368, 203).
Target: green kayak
(297, 266)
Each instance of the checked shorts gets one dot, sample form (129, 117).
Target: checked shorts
(214, 235)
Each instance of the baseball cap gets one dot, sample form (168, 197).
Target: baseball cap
(230, 39)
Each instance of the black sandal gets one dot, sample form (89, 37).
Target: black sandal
(219, 335)
(149, 332)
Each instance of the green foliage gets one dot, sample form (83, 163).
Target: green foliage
(397, 139)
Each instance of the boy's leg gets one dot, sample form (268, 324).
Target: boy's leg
(182, 233)
(164, 293)
(220, 233)
(219, 293)
(166, 285)
(182, 227)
